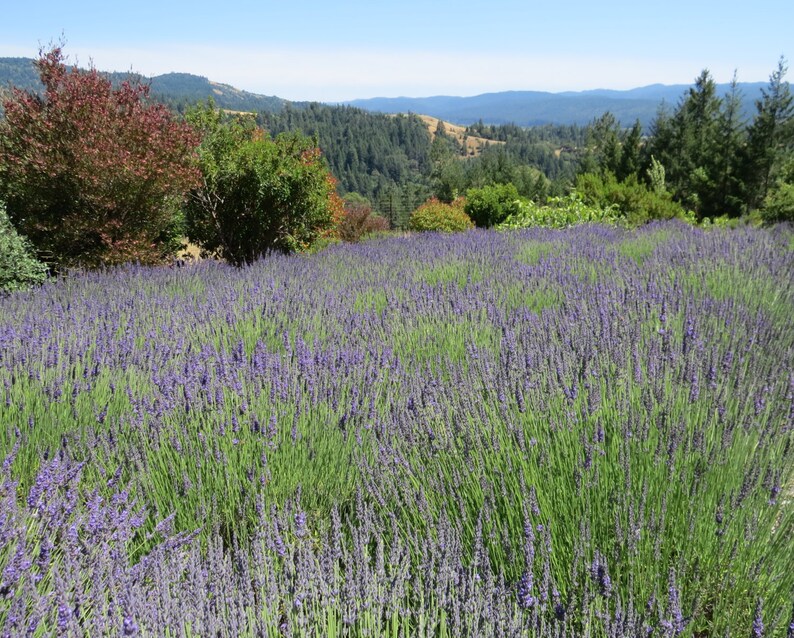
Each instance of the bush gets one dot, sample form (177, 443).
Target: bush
(91, 174)
(559, 212)
(491, 205)
(258, 194)
(436, 215)
(18, 268)
(358, 221)
(635, 202)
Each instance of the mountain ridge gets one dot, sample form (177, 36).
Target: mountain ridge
(533, 108)
(519, 107)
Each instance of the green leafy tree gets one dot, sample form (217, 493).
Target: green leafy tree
(94, 175)
(257, 194)
(19, 269)
(491, 205)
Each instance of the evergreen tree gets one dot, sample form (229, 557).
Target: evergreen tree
(603, 146)
(688, 146)
(770, 136)
(727, 197)
(630, 153)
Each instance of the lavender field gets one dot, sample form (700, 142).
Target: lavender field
(586, 432)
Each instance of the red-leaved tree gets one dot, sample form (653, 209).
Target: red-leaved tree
(94, 175)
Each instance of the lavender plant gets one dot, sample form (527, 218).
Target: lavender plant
(542, 432)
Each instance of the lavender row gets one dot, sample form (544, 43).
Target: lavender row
(587, 430)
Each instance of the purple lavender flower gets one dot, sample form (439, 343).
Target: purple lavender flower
(526, 600)
(600, 574)
(129, 626)
(758, 621)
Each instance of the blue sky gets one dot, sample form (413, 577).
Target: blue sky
(311, 50)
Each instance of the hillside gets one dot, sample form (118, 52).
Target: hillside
(175, 89)
(474, 144)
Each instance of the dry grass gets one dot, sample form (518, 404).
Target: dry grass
(474, 145)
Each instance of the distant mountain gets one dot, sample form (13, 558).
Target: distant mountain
(523, 108)
(175, 89)
(533, 108)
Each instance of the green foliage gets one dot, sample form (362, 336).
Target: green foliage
(779, 203)
(692, 148)
(258, 194)
(656, 176)
(631, 199)
(385, 158)
(714, 164)
(94, 175)
(559, 212)
(611, 149)
(438, 216)
(770, 142)
(18, 268)
(491, 205)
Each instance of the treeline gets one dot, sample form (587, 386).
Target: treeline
(703, 157)
(94, 173)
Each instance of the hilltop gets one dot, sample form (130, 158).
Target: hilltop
(175, 89)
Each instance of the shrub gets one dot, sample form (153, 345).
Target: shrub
(446, 218)
(258, 194)
(491, 205)
(91, 174)
(358, 221)
(635, 202)
(18, 268)
(559, 212)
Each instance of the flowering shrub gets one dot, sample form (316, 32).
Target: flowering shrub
(438, 216)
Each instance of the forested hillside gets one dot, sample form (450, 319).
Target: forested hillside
(386, 158)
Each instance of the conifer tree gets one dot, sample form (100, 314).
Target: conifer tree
(770, 137)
